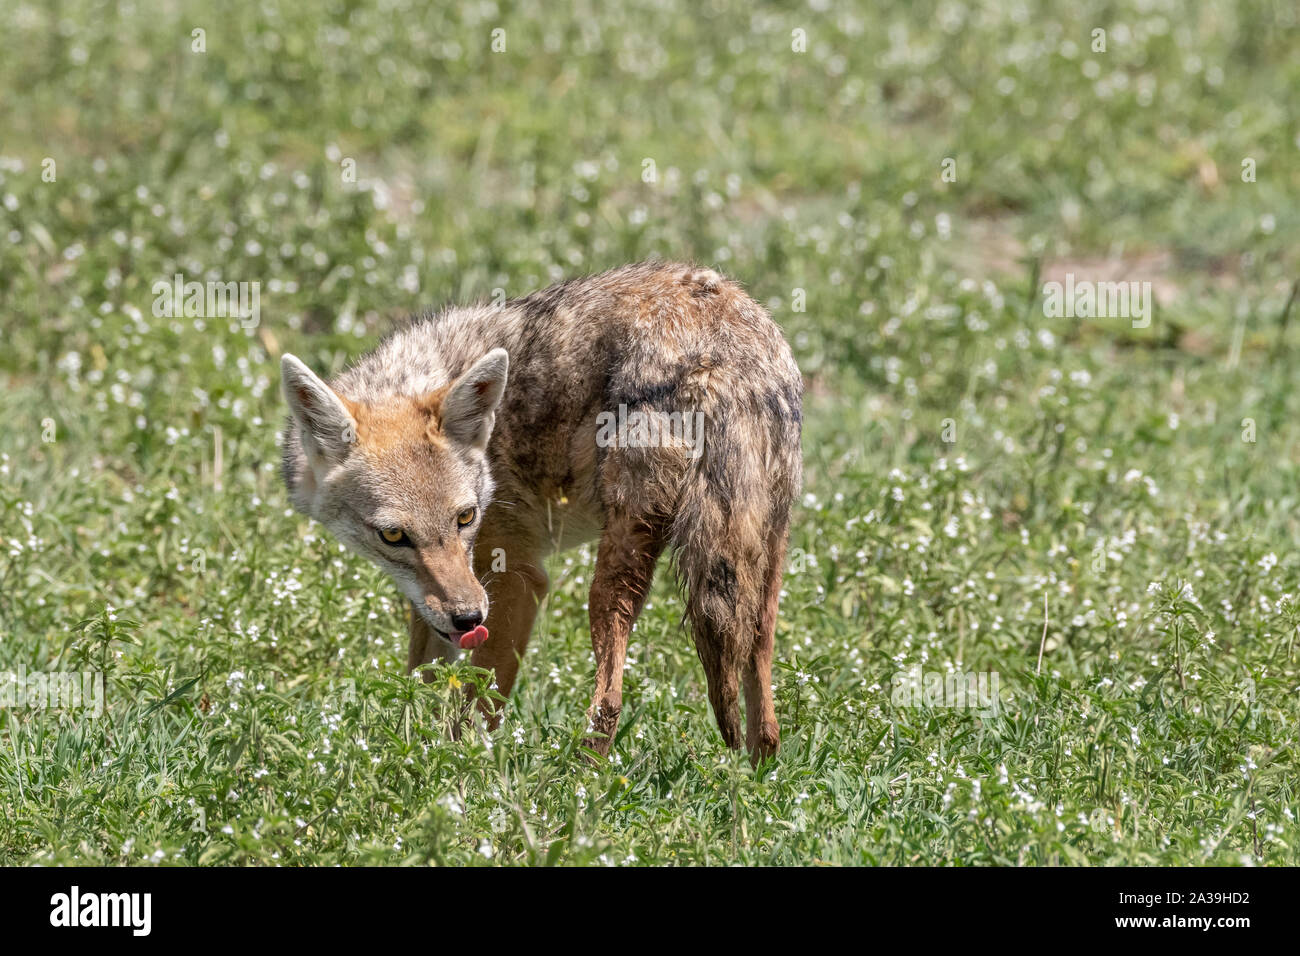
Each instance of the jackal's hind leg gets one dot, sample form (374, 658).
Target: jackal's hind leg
(763, 737)
(625, 565)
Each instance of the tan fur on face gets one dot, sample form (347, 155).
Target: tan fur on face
(396, 454)
(406, 455)
(400, 420)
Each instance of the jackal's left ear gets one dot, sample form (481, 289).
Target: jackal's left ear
(469, 409)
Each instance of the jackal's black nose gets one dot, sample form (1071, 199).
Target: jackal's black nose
(467, 622)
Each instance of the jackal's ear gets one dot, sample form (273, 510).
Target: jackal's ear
(328, 428)
(469, 409)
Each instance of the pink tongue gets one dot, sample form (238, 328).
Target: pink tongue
(474, 638)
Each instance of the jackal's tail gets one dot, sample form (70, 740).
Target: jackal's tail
(728, 538)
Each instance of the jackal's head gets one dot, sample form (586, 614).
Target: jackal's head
(402, 480)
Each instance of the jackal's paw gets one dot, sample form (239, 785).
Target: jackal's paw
(599, 744)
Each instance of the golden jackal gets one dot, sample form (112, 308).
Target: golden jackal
(655, 406)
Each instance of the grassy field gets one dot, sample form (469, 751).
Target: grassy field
(1102, 518)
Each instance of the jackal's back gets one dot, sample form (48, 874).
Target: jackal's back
(649, 338)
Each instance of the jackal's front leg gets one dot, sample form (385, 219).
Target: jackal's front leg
(425, 645)
(509, 564)
(625, 566)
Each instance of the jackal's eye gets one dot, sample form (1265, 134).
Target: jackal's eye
(466, 517)
(395, 536)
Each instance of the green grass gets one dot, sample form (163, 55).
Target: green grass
(983, 483)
